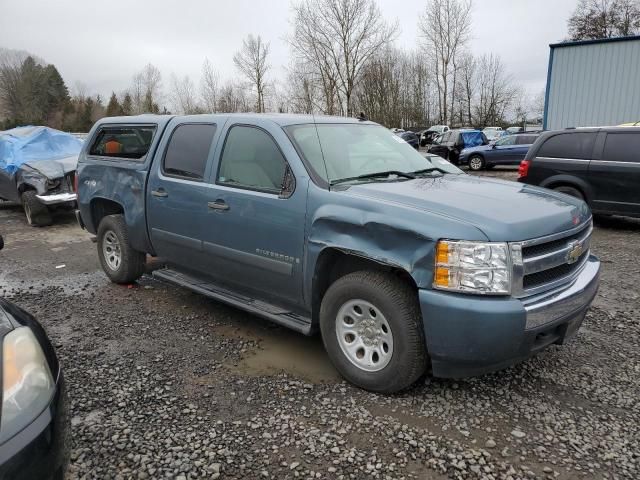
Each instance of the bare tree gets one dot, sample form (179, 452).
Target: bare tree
(604, 19)
(251, 60)
(496, 91)
(468, 67)
(304, 92)
(184, 95)
(209, 87)
(146, 90)
(339, 37)
(233, 99)
(10, 80)
(445, 26)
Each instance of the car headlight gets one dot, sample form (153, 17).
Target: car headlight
(27, 383)
(473, 267)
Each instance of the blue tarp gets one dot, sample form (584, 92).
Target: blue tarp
(34, 144)
(472, 138)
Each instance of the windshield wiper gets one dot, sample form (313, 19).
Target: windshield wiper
(366, 176)
(429, 170)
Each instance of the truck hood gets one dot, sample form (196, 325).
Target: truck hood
(502, 210)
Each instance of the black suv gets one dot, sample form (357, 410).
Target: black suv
(600, 165)
(454, 141)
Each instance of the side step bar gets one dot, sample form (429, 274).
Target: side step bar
(269, 311)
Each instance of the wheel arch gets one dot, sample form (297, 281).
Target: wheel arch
(101, 207)
(569, 181)
(334, 263)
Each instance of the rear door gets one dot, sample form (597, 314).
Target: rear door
(253, 231)
(177, 193)
(615, 173)
(563, 158)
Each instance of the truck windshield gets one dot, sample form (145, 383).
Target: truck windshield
(339, 152)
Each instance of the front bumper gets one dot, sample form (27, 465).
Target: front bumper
(470, 335)
(57, 198)
(40, 450)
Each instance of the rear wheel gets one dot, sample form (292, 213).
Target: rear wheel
(567, 190)
(372, 330)
(37, 213)
(476, 163)
(120, 262)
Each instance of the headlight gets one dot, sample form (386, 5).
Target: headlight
(473, 267)
(26, 380)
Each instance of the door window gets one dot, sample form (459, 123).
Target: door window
(510, 140)
(568, 145)
(188, 150)
(622, 147)
(252, 160)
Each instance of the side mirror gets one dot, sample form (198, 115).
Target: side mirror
(288, 184)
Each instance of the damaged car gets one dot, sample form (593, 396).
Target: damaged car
(403, 263)
(37, 170)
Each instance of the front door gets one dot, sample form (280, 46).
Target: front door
(504, 150)
(615, 175)
(177, 194)
(254, 232)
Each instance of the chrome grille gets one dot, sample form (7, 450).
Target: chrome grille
(548, 262)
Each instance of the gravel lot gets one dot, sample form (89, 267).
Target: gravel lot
(168, 384)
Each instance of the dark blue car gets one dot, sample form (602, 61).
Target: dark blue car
(509, 150)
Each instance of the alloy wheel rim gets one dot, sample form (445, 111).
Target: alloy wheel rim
(476, 163)
(364, 335)
(111, 250)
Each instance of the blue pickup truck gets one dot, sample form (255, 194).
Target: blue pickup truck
(404, 263)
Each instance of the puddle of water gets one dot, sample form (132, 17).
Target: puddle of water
(282, 350)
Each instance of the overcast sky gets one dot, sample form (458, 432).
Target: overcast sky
(102, 44)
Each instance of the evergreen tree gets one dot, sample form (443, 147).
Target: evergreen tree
(127, 105)
(114, 108)
(57, 97)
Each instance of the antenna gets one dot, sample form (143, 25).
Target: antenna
(324, 161)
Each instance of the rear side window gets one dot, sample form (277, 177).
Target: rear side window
(568, 145)
(188, 150)
(622, 147)
(123, 142)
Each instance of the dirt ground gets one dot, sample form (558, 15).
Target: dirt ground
(165, 383)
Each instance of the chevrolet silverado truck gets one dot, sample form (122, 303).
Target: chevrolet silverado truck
(404, 263)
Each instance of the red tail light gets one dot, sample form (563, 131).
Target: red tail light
(75, 182)
(523, 169)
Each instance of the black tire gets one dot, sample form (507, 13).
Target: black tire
(37, 213)
(130, 266)
(567, 190)
(476, 163)
(399, 306)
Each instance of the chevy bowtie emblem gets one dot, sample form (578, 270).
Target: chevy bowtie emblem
(575, 251)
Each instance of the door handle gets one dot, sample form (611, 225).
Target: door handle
(159, 193)
(218, 205)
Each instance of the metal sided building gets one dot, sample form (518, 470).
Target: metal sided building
(593, 83)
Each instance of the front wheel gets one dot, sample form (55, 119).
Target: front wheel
(476, 163)
(120, 262)
(372, 330)
(37, 213)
